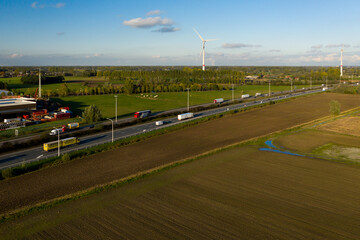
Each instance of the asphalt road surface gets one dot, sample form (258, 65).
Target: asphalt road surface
(36, 153)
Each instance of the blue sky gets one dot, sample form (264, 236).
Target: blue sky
(109, 32)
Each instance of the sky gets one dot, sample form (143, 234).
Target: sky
(160, 32)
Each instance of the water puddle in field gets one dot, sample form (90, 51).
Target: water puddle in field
(272, 146)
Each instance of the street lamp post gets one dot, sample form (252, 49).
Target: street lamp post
(269, 88)
(310, 83)
(188, 100)
(58, 132)
(326, 82)
(112, 129)
(233, 92)
(116, 108)
(291, 84)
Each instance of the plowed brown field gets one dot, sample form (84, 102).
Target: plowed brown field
(105, 167)
(241, 193)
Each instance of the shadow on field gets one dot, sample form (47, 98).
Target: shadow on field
(75, 107)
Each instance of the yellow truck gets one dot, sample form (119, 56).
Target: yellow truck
(73, 125)
(63, 143)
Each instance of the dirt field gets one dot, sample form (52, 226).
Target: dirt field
(102, 168)
(347, 125)
(236, 194)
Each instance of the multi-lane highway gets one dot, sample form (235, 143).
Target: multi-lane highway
(36, 153)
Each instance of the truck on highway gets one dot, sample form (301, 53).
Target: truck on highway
(257, 94)
(218, 100)
(64, 128)
(185, 116)
(142, 114)
(245, 96)
(56, 131)
(63, 143)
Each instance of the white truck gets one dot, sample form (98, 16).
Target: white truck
(55, 131)
(218, 100)
(185, 116)
(257, 94)
(245, 96)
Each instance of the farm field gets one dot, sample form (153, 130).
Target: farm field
(128, 104)
(240, 193)
(105, 167)
(337, 140)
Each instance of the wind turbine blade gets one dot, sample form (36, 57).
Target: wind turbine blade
(209, 40)
(198, 34)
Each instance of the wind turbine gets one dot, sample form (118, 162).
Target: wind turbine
(203, 47)
(341, 62)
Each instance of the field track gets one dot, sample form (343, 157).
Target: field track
(105, 167)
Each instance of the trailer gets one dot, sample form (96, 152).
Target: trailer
(257, 94)
(142, 114)
(218, 100)
(245, 96)
(63, 143)
(12, 120)
(61, 115)
(159, 123)
(185, 116)
(73, 125)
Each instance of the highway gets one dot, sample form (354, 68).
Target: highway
(36, 153)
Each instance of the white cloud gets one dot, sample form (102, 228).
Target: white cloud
(317, 46)
(238, 45)
(337, 45)
(274, 50)
(148, 22)
(15, 55)
(154, 12)
(60, 5)
(167, 29)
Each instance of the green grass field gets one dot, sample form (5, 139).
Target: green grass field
(128, 104)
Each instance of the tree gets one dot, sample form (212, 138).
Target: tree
(129, 86)
(335, 107)
(92, 114)
(64, 90)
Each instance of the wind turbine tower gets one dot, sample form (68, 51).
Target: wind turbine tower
(341, 63)
(203, 47)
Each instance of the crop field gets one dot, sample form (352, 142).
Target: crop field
(240, 193)
(309, 140)
(337, 140)
(156, 102)
(108, 166)
(349, 125)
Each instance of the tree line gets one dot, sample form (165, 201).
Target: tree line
(33, 79)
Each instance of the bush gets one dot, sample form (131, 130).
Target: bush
(7, 173)
(335, 107)
(65, 158)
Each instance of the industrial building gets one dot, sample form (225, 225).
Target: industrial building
(13, 106)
